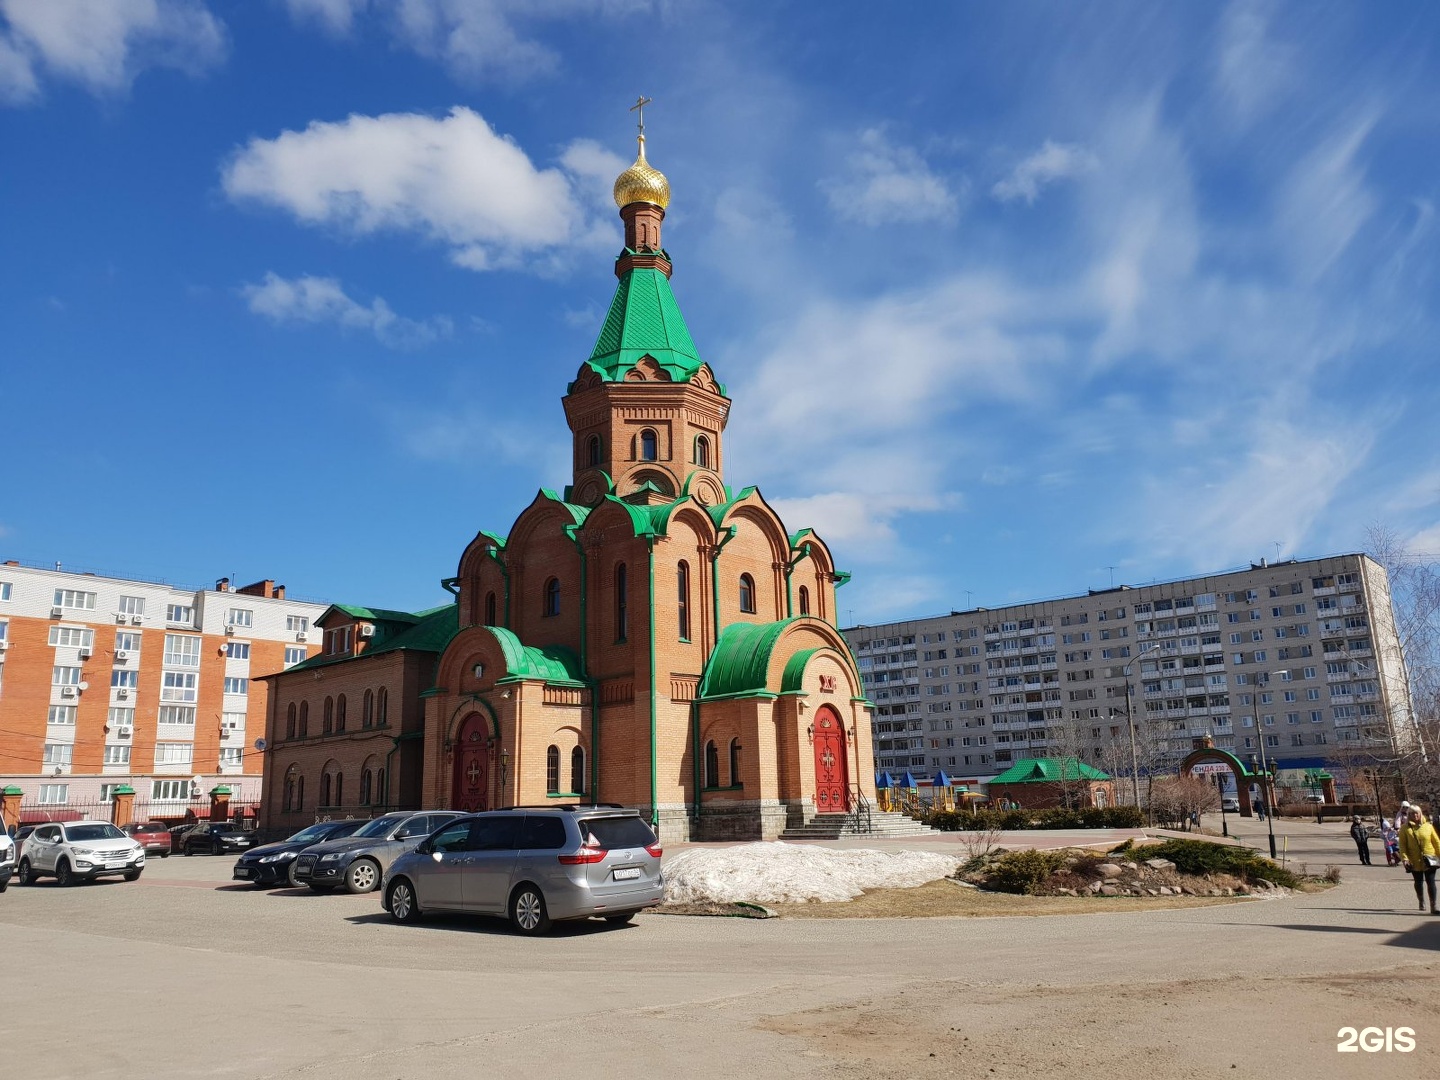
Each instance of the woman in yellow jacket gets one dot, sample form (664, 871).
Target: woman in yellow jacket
(1420, 848)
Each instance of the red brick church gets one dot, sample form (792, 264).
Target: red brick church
(649, 637)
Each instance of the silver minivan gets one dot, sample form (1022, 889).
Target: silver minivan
(532, 866)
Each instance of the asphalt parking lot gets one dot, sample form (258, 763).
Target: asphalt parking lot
(183, 974)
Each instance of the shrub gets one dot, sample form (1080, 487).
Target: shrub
(1023, 871)
(1200, 857)
(1090, 817)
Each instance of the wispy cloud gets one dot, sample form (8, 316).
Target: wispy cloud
(336, 17)
(1252, 68)
(1325, 200)
(1053, 161)
(308, 299)
(885, 182)
(102, 44)
(452, 180)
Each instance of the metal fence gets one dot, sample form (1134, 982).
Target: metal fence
(170, 811)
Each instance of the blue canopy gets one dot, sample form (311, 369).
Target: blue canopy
(941, 780)
(908, 781)
(882, 780)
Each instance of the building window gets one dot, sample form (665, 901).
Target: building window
(179, 613)
(300, 793)
(58, 754)
(366, 780)
(804, 600)
(592, 451)
(236, 686)
(339, 790)
(577, 770)
(126, 641)
(290, 721)
(552, 597)
(177, 714)
(297, 624)
(382, 711)
(340, 714)
(712, 765)
(338, 640)
(552, 770)
(61, 714)
(239, 616)
(747, 594)
(622, 603)
(72, 637)
(182, 650)
(304, 719)
(73, 598)
(367, 709)
(64, 675)
(54, 794)
(649, 446)
(327, 724)
(174, 753)
(128, 678)
(169, 790)
(177, 686)
(702, 451)
(734, 762)
(325, 790)
(382, 793)
(294, 654)
(490, 609)
(237, 650)
(4, 590)
(682, 583)
(231, 756)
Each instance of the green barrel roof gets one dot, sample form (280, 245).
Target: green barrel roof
(741, 660)
(1047, 771)
(644, 320)
(550, 663)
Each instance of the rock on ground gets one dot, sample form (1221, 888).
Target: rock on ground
(779, 873)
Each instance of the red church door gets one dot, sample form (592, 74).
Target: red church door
(832, 776)
(470, 791)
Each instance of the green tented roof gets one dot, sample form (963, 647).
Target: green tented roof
(550, 663)
(376, 613)
(644, 320)
(1048, 771)
(430, 631)
(741, 660)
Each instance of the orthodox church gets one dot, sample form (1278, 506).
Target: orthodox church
(648, 637)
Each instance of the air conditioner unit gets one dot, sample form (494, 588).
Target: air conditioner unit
(302, 636)
(366, 630)
(136, 620)
(121, 656)
(56, 612)
(120, 617)
(230, 629)
(67, 691)
(4, 645)
(85, 654)
(125, 731)
(123, 693)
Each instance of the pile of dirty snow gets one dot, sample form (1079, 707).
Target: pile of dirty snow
(778, 873)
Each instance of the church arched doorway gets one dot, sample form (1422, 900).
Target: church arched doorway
(832, 773)
(470, 790)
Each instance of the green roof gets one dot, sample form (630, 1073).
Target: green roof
(375, 613)
(741, 660)
(550, 663)
(430, 631)
(1048, 771)
(644, 320)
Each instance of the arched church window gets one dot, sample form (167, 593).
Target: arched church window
(490, 609)
(622, 603)
(366, 780)
(328, 724)
(712, 765)
(747, 594)
(702, 451)
(592, 451)
(304, 719)
(340, 713)
(552, 597)
(552, 770)
(290, 721)
(804, 600)
(325, 789)
(367, 709)
(649, 445)
(339, 790)
(299, 793)
(682, 587)
(382, 793)
(382, 707)
(734, 762)
(577, 770)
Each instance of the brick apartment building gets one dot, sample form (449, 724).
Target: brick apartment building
(108, 681)
(648, 637)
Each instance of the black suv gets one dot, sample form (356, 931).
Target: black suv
(216, 837)
(271, 864)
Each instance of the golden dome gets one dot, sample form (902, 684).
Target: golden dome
(642, 183)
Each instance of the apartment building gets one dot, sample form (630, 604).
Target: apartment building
(1298, 660)
(107, 681)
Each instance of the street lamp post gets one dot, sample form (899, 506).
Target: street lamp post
(1130, 724)
(1220, 789)
(1268, 789)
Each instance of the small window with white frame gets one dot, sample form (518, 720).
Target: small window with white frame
(232, 756)
(169, 790)
(120, 716)
(177, 714)
(182, 650)
(236, 686)
(294, 654)
(232, 721)
(4, 630)
(54, 794)
(177, 686)
(75, 598)
(131, 605)
(4, 590)
(107, 791)
(127, 641)
(57, 753)
(297, 624)
(174, 753)
(180, 613)
(65, 675)
(237, 650)
(129, 678)
(61, 714)
(240, 616)
(72, 637)
(117, 754)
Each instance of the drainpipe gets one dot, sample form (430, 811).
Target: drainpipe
(729, 535)
(803, 551)
(395, 742)
(726, 536)
(572, 531)
(654, 704)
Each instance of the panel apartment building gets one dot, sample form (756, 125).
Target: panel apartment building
(1300, 654)
(106, 681)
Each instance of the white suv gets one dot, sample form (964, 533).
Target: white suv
(74, 851)
(7, 857)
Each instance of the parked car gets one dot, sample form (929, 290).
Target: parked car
(178, 834)
(532, 866)
(8, 861)
(155, 835)
(1230, 804)
(80, 851)
(1315, 798)
(216, 837)
(21, 835)
(272, 863)
(359, 862)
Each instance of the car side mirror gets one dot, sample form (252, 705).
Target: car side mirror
(425, 847)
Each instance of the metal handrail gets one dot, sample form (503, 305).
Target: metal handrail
(859, 820)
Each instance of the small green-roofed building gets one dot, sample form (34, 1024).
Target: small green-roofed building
(1040, 783)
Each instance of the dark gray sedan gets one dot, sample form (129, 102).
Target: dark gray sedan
(358, 862)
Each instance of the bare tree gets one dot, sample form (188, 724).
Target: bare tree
(1173, 800)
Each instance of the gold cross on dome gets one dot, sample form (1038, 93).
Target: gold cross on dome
(639, 107)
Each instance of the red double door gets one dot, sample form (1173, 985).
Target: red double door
(832, 774)
(470, 790)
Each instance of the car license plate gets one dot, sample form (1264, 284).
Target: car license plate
(627, 873)
(241, 871)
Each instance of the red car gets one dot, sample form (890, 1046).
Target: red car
(155, 835)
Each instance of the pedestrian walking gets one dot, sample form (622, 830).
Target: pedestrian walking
(1420, 848)
(1362, 841)
(1402, 815)
(1391, 839)
(1260, 808)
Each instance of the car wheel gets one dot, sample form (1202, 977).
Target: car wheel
(363, 876)
(63, 877)
(132, 875)
(527, 911)
(290, 876)
(620, 918)
(185, 850)
(26, 873)
(402, 903)
(215, 848)
(164, 854)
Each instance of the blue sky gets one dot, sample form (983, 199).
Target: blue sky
(1009, 298)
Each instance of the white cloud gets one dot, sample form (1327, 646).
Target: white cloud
(1053, 161)
(451, 179)
(334, 16)
(103, 44)
(1252, 69)
(473, 38)
(885, 183)
(308, 299)
(1324, 201)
